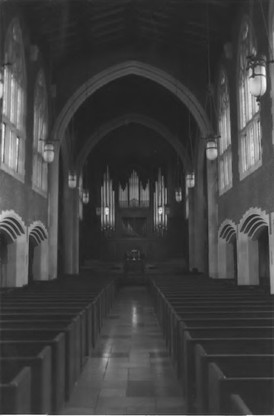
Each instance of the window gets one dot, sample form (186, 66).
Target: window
(13, 117)
(249, 112)
(225, 155)
(40, 130)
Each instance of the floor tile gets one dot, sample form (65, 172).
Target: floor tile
(112, 392)
(129, 371)
(140, 388)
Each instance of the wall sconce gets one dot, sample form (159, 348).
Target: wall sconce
(212, 147)
(48, 152)
(85, 196)
(178, 194)
(190, 180)
(256, 67)
(160, 210)
(1, 86)
(106, 211)
(72, 180)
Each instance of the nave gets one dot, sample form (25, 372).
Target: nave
(158, 343)
(130, 370)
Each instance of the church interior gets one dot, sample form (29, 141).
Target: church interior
(137, 207)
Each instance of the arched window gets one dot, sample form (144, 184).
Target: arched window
(249, 111)
(40, 130)
(14, 103)
(225, 155)
(271, 37)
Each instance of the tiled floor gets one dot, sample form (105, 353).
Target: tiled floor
(129, 372)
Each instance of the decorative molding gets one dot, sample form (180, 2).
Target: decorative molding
(12, 224)
(121, 70)
(227, 230)
(137, 118)
(38, 231)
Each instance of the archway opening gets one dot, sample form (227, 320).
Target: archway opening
(3, 260)
(141, 169)
(264, 269)
(233, 242)
(32, 248)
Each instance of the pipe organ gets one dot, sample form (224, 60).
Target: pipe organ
(160, 204)
(134, 194)
(107, 204)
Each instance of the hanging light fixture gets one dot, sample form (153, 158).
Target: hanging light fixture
(178, 184)
(212, 147)
(85, 196)
(85, 193)
(212, 138)
(72, 180)
(256, 67)
(48, 152)
(1, 85)
(178, 194)
(190, 180)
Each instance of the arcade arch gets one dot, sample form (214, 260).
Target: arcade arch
(13, 245)
(38, 252)
(97, 81)
(227, 250)
(253, 247)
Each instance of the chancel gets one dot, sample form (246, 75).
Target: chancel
(137, 207)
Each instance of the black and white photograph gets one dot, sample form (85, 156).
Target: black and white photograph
(137, 207)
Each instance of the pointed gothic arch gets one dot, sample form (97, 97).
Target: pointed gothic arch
(14, 273)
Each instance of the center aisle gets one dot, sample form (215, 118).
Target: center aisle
(129, 371)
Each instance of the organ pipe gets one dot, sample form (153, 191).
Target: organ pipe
(107, 204)
(160, 202)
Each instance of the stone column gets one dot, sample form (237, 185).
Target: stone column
(17, 267)
(225, 260)
(222, 258)
(53, 191)
(200, 220)
(271, 252)
(248, 260)
(191, 229)
(212, 216)
(70, 230)
(200, 226)
(41, 261)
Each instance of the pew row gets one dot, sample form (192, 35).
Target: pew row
(256, 392)
(15, 390)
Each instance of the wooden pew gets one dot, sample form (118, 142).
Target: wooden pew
(15, 390)
(41, 378)
(237, 406)
(46, 334)
(86, 342)
(49, 307)
(236, 357)
(256, 391)
(223, 322)
(188, 354)
(24, 348)
(174, 315)
(179, 328)
(71, 328)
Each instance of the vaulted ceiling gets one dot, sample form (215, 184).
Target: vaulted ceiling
(190, 31)
(69, 28)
